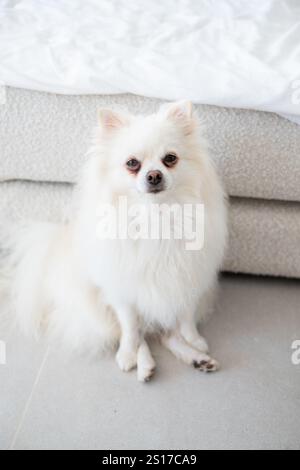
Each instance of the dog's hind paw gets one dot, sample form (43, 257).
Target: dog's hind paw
(206, 365)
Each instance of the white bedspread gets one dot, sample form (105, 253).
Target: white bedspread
(236, 53)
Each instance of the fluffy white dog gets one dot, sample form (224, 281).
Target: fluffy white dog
(98, 292)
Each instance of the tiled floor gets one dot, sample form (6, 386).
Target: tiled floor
(48, 401)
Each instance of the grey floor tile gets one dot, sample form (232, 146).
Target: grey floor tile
(17, 376)
(253, 402)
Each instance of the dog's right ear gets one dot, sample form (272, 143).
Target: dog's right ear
(181, 113)
(111, 120)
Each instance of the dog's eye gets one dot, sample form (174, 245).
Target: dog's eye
(170, 160)
(133, 164)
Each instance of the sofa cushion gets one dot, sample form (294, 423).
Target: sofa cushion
(264, 236)
(44, 137)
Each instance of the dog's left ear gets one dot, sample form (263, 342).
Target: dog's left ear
(111, 120)
(181, 112)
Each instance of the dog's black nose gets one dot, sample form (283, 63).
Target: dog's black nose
(154, 177)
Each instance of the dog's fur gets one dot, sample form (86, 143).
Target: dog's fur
(99, 293)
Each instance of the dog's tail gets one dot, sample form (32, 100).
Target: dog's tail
(47, 291)
(24, 251)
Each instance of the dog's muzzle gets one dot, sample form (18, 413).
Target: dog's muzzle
(155, 181)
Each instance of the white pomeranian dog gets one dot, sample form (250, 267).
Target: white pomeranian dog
(97, 292)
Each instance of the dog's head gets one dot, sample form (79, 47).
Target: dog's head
(150, 154)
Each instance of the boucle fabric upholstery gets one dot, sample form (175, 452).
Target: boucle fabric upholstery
(44, 137)
(264, 235)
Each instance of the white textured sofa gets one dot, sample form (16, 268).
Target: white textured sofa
(44, 138)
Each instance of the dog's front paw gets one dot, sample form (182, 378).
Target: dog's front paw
(145, 369)
(145, 363)
(206, 365)
(145, 373)
(126, 359)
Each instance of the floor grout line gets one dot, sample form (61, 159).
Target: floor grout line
(28, 402)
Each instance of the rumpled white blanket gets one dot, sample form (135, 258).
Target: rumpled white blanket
(234, 53)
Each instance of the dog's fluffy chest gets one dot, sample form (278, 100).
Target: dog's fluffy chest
(160, 278)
